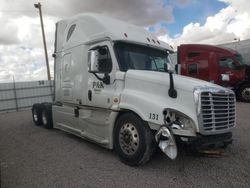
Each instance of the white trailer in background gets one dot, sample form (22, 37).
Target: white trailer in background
(241, 46)
(113, 87)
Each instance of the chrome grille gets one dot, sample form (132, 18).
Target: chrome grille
(217, 111)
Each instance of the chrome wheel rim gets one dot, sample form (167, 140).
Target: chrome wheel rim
(44, 118)
(129, 139)
(35, 115)
(246, 93)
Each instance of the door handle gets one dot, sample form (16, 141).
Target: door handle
(90, 95)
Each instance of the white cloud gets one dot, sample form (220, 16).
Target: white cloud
(229, 23)
(21, 47)
(21, 44)
(8, 31)
(240, 6)
(23, 63)
(140, 12)
(29, 30)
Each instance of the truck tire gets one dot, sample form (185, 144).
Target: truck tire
(133, 140)
(37, 114)
(47, 115)
(243, 93)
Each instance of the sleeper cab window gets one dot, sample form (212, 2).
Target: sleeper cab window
(70, 32)
(192, 69)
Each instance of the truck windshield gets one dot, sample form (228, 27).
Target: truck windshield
(239, 58)
(133, 56)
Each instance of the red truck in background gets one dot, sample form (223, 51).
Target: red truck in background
(222, 66)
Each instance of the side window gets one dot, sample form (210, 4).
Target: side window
(140, 61)
(226, 63)
(192, 69)
(70, 32)
(160, 62)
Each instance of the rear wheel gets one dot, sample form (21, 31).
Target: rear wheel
(244, 93)
(37, 113)
(133, 140)
(47, 116)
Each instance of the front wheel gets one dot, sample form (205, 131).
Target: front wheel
(133, 140)
(244, 93)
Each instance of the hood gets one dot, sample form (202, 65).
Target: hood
(162, 78)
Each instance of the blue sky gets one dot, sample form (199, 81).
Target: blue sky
(192, 11)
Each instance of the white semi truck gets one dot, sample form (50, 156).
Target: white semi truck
(114, 86)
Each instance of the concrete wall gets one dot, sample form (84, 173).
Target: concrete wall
(20, 95)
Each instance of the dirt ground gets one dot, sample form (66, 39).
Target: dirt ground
(31, 156)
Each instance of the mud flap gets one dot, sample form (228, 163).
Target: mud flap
(166, 142)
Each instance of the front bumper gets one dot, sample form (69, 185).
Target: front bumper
(206, 141)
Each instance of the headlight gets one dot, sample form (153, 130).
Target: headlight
(186, 123)
(178, 120)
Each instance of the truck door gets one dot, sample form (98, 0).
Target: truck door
(227, 66)
(100, 91)
(100, 94)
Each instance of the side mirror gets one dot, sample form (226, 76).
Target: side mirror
(97, 65)
(93, 64)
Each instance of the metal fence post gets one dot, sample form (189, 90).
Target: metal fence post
(51, 89)
(15, 95)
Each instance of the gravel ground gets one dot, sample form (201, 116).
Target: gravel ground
(32, 157)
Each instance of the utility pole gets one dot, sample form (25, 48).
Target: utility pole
(39, 7)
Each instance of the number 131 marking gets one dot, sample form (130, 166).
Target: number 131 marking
(153, 116)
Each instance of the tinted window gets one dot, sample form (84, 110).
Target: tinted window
(226, 63)
(239, 58)
(133, 56)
